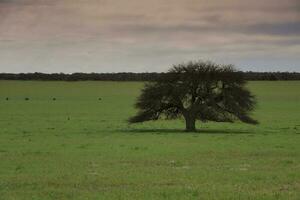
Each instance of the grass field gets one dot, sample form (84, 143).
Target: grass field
(80, 147)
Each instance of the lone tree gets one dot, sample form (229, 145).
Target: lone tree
(202, 91)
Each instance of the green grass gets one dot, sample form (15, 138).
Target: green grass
(78, 147)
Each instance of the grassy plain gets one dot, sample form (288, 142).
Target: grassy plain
(79, 147)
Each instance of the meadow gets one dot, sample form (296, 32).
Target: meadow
(63, 142)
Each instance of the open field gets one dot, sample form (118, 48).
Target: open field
(80, 147)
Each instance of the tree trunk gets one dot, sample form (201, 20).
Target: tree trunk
(190, 123)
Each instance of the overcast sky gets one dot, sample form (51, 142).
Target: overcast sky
(142, 35)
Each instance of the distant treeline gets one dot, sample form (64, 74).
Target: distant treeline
(271, 76)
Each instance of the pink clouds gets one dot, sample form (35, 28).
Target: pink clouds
(180, 29)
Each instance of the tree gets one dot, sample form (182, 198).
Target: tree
(200, 90)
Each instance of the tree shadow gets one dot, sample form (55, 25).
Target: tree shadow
(181, 131)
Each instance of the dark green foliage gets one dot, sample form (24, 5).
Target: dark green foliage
(134, 76)
(201, 91)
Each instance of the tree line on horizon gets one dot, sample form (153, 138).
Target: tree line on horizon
(130, 76)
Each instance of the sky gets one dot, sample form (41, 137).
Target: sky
(54, 36)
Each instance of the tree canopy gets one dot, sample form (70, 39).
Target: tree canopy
(200, 90)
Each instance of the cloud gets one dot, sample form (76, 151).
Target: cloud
(140, 31)
(285, 29)
(27, 2)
